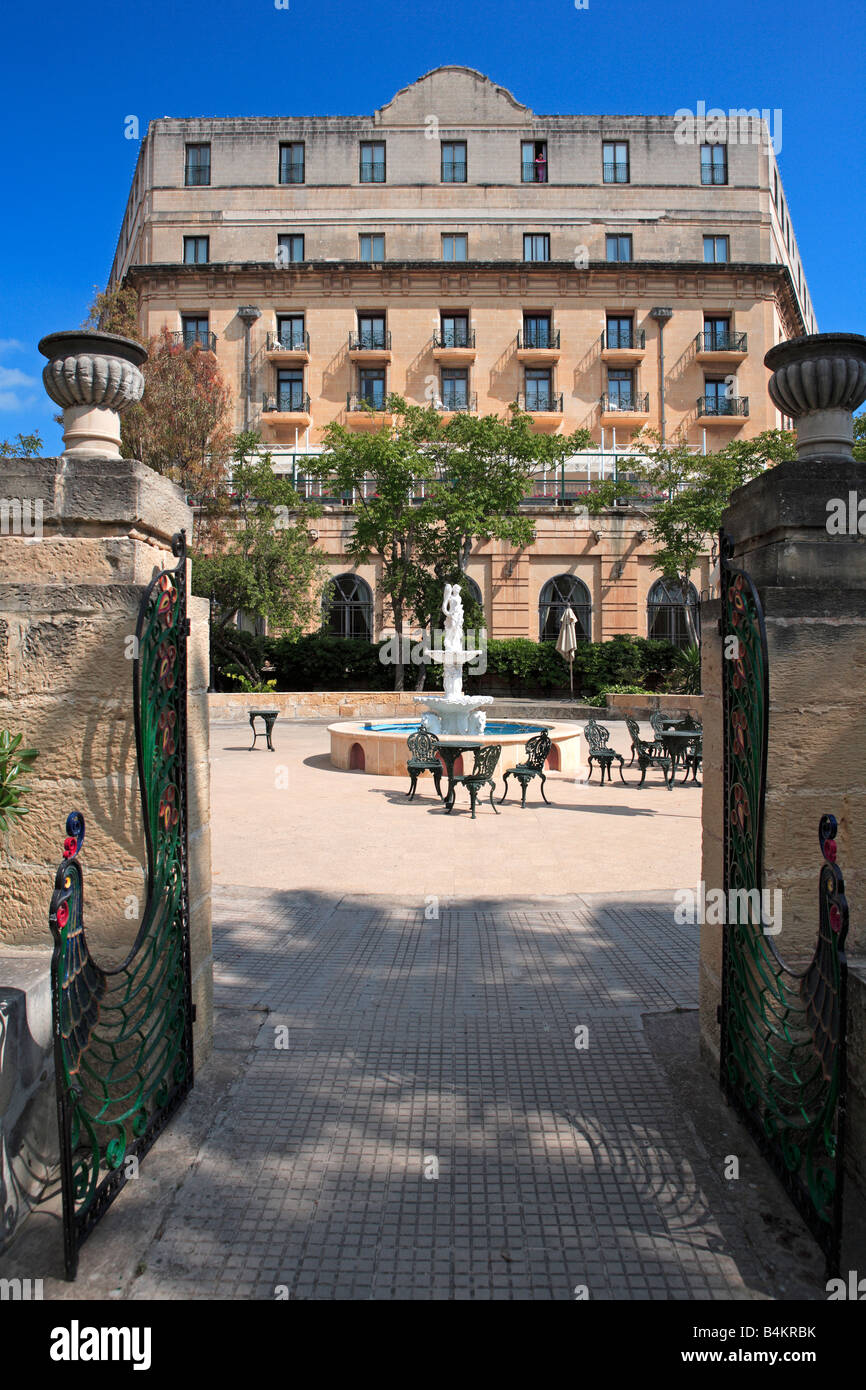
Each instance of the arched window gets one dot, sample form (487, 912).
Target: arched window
(565, 591)
(666, 612)
(472, 590)
(347, 607)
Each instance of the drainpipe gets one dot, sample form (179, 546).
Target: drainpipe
(247, 313)
(661, 316)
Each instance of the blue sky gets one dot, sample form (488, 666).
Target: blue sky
(70, 75)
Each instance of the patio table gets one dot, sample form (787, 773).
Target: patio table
(449, 751)
(676, 743)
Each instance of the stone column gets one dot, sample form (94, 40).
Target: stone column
(810, 572)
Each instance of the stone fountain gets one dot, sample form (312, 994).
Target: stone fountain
(453, 713)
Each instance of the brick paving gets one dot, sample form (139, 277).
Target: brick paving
(431, 1130)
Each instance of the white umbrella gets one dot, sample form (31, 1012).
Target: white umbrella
(566, 642)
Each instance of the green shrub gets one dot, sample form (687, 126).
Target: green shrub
(600, 700)
(15, 763)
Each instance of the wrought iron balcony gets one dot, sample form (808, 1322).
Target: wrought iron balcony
(291, 173)
(454, 338)
(288, 340)
(355, 402)
(461, 404)
(454, 173)
(715, 340)
(286, 403)
(630, 403)
(544, 339)
(372, 173)
(534, 172)
(714, 173)
(723, 405)
(619, 339)
(370, 340)
(541, 403)
(190, 338)
(615, 173)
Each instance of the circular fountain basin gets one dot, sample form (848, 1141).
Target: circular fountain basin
(379, 745)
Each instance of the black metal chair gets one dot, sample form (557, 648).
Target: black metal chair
(481, 775)
(537, 749)
(657, 723)
(693, 758)
(422, 758)
(634, 730)
(650, 754)
(597, 736)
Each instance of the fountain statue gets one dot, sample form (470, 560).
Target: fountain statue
(453, 712)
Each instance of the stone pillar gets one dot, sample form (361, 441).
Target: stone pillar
(810, 572)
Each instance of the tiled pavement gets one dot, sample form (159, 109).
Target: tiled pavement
(432, 1131)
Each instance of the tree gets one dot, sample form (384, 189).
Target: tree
(267, 565)
(24, 446)
(860, 437)
(115, 310)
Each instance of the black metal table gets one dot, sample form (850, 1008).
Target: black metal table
(676, 742)
(449, 753)
(270, 717)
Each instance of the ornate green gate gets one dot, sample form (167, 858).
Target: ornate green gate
(782, 1030)
(123, 1036)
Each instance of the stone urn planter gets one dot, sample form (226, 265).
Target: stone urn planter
(94, 377)
(820, 380)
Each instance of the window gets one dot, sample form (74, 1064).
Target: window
(195, 330)
(717, 334)
(539, 389)
(347, 607)
(371, 387)
(455, 331)
(717, 392)
(615, 163)
(290, 390)
(473, 591)
(453, 161)
(372, 162)
(372, 246)
(196, 250)
(454, 246)
(714, 164)
(666, 613)
(290, 247)
(536, 331)
(197, 166)
(533, 161)
(618, 248)
(565, 591)
(371, 332)
(292, 162)
(776, 188)
(715, 249)
(290, 331)
(619, 332)
(455, 389)
(536, 246)
(620, 388)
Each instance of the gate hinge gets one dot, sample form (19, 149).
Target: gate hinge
(187, 627)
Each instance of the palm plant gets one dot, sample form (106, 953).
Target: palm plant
(15, 762)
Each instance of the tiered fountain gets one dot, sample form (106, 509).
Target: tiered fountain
(453, 712)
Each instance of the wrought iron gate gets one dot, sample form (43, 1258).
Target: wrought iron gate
(123, 1036)
(782, 1030)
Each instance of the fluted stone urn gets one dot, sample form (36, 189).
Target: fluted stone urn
(94, 377)
(820, 380)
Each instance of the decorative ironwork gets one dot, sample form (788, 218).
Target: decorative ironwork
(597, 738)
(537, 749)
(782, 1030)
(123, 1036)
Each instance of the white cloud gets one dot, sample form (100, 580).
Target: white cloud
(16, 389)
(11, 345)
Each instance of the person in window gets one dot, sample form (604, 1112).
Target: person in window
(540, 167)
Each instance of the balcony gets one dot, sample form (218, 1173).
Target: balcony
(287, 411)
(288, 347)
(623, 349)
(454, 172)
(714, 346)
(454, 348)
(723, 410)
(544, 408)
(615, 173)
(370, 345)
(449, 408)
(187, 339)
(625, 409)
(534, 171)
(364, 413)
(538, 347)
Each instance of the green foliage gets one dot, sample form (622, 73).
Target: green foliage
(15, 763)
(860, 437)
(599, 701)
(23, 446)
(685, 678)
(250, 687)
(318, 662)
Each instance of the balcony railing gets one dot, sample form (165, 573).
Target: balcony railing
(615, 173)
(355, 402)
(289, 340)
(544, 338)
(714, 173)
(372, 173)
(723, 405)
(541, 403)
(291, 173)
(454, 173)
(467, 404)
(197, 175)
(629, 403)
(720, 340)
(286, 403)
(370, 340)
(534, 172)
(616, 339)
(454, 338)
(190, 338)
